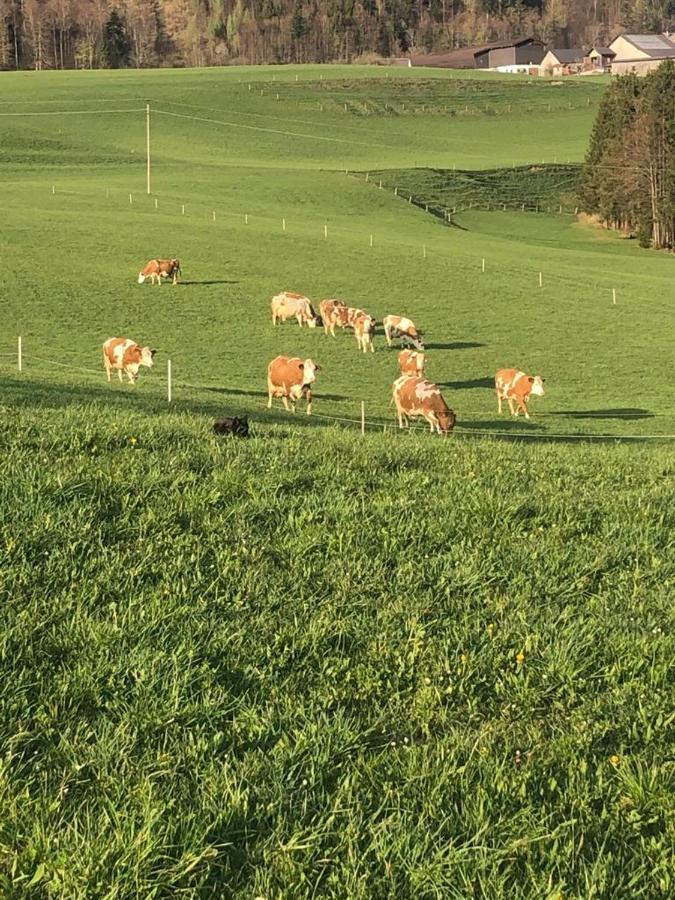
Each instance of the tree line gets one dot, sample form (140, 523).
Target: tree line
(629, 175)
(63, 34)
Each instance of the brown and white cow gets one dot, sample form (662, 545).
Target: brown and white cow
(288, 305)
(516, 388)
(414, 397)
(290, 379)
(364, 329)
(404, 328)
(334, 314)
(157, 269)
(410, 362)
(126, 356)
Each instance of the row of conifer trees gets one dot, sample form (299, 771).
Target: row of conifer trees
(629, 176)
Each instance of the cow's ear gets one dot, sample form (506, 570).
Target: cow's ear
(317, 368)
(301, 365)
(152, 352)
(530, 379)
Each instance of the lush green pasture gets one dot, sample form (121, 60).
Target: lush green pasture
(314, 663)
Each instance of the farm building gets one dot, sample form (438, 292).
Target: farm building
(599, 59)
(503, 55)
(640, 53)
(562, 62)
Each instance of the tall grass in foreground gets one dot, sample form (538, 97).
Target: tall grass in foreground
(315, 664)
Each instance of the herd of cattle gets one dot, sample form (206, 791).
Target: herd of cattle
(292, 378)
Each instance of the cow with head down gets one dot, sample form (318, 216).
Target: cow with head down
(516, 388)
(290, 379)
(127, 357)
(288, 305)
(403, 328)
(410, 362)
(415, 397)
(157, 269)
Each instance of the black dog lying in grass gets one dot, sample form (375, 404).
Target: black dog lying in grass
(235, 425)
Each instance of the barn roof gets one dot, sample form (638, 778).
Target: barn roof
(657, 46)
(568, 56)
(465, 57)
(602, 51)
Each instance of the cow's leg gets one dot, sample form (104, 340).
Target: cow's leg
(388, 336)
(523, 405)
(270, 393)
(121, 377)
(499, 402)
(309, 403)
(514, 412)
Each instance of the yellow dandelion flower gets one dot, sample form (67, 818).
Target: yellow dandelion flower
(490, 628)
(520, 657)
(615, 760)
(464, 657)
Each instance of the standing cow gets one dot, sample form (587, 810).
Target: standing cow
(288, 305)
(414, 396)
(401, 327)
(290, 379)
(516, 388)
(157, 269)
(364, 329)
(127, 357)
(410, 362)
(334, 313)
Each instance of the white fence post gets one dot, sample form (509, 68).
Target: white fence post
(613, 299)
(156, 202)
(541, 279)
(214, 215)
(182, 210)
(325, 231)
(483, 267)
(168, 380)
(363, 417)
(19, 355)
(371, 240)
(131, 199)
(246, 219)
(283, 224)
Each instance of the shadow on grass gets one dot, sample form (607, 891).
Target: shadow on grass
(212, 281)
(239, 392)
(147, 398)
(454, 345)
(471, 383)
(629, 413)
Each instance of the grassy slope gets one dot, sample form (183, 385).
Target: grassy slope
(211, 624)
(591, 353)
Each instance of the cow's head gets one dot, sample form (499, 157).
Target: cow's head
(141, 278)
(147, 357)
(309, 370)
(446, 421)
(175, 266)
(536, 385)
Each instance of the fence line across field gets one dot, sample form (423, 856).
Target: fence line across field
(463, 262)
(364, 422)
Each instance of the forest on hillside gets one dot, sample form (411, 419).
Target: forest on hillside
(62, 34)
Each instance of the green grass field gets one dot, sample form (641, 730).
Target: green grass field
(315, 663)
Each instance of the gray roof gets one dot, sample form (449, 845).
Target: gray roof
(603, 51)
(658, 46)
(568, 56)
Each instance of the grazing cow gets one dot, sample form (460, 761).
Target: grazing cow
(287, 305)
(414, 396)
(516, 388)
(364, 329)
(290, 379)
(400, 327)
(334, 313)
(411, 363)
(126, 356)
(157, 269)
(235, 425)
(353, 313)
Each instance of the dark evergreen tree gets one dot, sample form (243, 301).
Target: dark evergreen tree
(116, 44)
